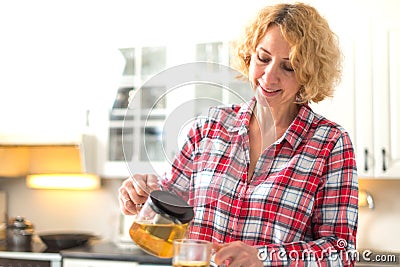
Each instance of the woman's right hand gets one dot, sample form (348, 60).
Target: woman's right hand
(134, 191)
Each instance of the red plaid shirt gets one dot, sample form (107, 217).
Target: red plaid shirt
(301, 205)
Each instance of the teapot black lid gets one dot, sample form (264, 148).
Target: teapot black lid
(172, 205)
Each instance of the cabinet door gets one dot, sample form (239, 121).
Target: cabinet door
(364, 101)
(386, 94)
(97, 263)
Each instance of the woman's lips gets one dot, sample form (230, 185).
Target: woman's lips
(269, 92)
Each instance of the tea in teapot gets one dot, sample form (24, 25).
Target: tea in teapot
(164, 218)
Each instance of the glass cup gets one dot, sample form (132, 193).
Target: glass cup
(191, 253)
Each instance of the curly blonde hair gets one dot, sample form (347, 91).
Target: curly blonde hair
(315, 55)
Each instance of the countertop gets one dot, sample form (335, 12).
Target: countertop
(110, 251)
(95, 250)
(36, 252)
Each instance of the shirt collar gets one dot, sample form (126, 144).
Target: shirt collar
(239, 122)
(244, 115)
(235, 118)
(301, 124)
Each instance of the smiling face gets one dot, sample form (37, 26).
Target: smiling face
(271, 73)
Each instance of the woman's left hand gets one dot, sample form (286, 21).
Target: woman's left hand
(238, 254)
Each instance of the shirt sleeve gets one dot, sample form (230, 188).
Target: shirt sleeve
(183, 164)
(334, 220)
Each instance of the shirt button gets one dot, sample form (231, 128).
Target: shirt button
(240, 195)
(231, 230)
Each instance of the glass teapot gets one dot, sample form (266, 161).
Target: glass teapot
(163, 218)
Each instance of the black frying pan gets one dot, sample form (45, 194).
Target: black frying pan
(59, 241)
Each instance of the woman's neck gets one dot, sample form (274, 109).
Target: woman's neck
(283, 117)
(270, 123)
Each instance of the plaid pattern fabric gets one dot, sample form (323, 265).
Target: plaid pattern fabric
(301, 205)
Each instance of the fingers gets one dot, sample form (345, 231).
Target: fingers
(152, 182)
(125, 203)
(237, 254)
(128, 207)
(216, 246)
(134, 191)
(143, 184)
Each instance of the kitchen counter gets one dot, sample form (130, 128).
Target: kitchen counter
(95, 250)
(110, 251)
(37, 253)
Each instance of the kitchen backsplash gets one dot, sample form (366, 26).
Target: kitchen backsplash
(98, 211)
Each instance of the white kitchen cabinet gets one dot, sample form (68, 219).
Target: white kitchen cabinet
(133, 140)
(121, 137)
(377, 86)
(365, 101)
(97, 263)
(145, 137)
(385, 96)
(364, 112)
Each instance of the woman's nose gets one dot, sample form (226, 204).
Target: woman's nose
(271, 73)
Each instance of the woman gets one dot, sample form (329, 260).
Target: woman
(292, 195)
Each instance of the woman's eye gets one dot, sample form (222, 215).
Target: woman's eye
(263, 59)
(288, 67)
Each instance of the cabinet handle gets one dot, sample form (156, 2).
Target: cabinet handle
(383, 159)
(366, 159)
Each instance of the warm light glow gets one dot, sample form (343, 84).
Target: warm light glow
(365, 199)
(362, 199)
(79, 181)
